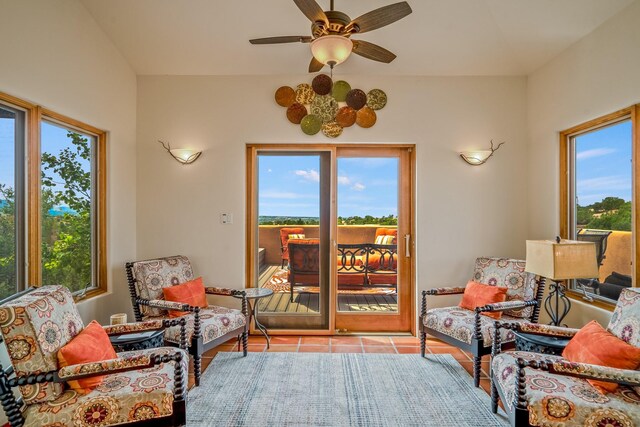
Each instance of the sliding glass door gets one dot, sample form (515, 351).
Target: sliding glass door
(329, 233)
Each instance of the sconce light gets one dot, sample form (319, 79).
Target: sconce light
(185, 156)
(479, 157)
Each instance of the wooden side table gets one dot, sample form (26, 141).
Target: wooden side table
(137, 341)
(540, 343)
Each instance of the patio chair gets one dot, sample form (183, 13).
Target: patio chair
(206, 327)
(304, 263)
(471, 330)
(284, 241)
(545, 390)
(146, 387)
(599, 237)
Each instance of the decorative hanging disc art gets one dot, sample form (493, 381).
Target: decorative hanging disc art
(330, 106)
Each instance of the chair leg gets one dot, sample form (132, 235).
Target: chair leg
(423, 344)
(494, 397)
(476, 370)
(245, 343)
(197, 368)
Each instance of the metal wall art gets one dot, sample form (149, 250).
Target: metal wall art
(329, 106)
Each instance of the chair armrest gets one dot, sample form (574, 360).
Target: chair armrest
(112, 366)
(445, 291)
(131, 328)
(165, 305)
(549, 330)
(595, 372)
(224, 291)
(506, 305)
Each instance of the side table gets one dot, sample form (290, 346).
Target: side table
(137, 341)
(540, 343)
(255, 294)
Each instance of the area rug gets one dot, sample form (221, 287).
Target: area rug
(323, 389)
(280, 283)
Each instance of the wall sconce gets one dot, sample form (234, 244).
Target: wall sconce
(185, 156)
(479, 157)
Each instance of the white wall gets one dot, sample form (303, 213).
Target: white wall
(596, 76)
(53, 54)
(462, 211)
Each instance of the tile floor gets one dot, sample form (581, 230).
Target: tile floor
(352, 344)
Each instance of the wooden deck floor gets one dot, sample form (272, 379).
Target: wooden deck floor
(310, 302)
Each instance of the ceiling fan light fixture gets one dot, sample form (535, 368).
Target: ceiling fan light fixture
(331, 50)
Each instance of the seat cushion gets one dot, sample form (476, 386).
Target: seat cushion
(509, 273)
(154, 274)
(563, 401)
(35, 326)
(459, 323)
(214, 322)
(121, 398)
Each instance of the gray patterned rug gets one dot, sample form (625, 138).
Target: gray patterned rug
(317, 389)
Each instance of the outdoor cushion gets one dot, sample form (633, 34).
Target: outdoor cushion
(122, 397)
(90, 345)
(151, 276)
(215, 322)
(387, 232)
(478, 295)
(508, 273)
(459, 323)
(35, 326)
(191, 292)
(563, 401)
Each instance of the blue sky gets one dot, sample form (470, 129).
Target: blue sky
(603, 164)
(289, 186)
(53, 140)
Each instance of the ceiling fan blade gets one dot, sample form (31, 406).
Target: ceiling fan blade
(372, 51)
(315, 65)
(282, 39)
(380, 17)
(312, 10)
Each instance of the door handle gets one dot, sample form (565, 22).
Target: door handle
(407, 245)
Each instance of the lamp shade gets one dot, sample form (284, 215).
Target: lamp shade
(569, 259)
(331, 50)
(477, 157)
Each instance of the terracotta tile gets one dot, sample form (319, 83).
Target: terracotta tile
(376, 341)
(379, 349)
(408, 350)
(232, 341)
(406, 341)
(257, 339)
(315, 340)
(468, 366)
(485, 384)
(345, 340)
(346, 349)
(281, 348)
(455, 352)
(314, 349)
(437, 343)
(285, 340)
(256, 348)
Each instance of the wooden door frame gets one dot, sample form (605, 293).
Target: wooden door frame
(251, 208)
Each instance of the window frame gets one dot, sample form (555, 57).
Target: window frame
(566, 192)
(35, 114)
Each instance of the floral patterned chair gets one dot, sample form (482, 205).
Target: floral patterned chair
(145, 387)
(472, 331)
(545, 390)
(206, 327)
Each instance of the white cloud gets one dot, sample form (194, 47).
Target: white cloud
(269, 170)
(596, 152)
(269, 194)
(607, 183)
(344, 180)
(310, 175)
(358, 186)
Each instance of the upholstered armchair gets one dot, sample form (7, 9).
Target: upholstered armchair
(206, 327)
(472, 331)
(545, 390)
(284, 241)
(145, 387)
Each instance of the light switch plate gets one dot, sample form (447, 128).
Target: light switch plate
(226, 218)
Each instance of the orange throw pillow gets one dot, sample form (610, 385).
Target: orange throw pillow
(478, 295)
(90, 345)
(191, 293)
(596, 346)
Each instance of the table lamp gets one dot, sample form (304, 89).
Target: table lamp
(559, 260)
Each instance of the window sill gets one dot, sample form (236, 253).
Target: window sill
(597, 302)
(88, 295)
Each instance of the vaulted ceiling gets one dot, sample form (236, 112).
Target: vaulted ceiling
(440, 37)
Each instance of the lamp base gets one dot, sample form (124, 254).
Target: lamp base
(557, 304)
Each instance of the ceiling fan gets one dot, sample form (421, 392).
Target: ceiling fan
(331, 31)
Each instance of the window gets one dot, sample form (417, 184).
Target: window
(56, 166)
(597, 200)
